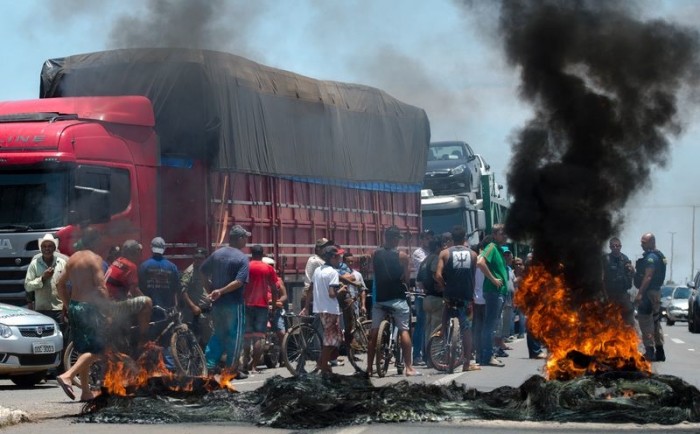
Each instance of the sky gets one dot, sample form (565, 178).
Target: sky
(442, 56)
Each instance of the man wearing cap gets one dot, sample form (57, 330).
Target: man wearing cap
(227, 271)
(122, 282)
(312, 264)
(40, 278)
(43, 272)
(159, 279)
(262, 279)
(326, 289)
(391, 276)
(417, 258)
(195, 299)
(493, 265)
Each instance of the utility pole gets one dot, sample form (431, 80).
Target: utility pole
(672, 234)
(692, 247)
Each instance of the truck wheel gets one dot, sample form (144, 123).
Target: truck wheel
(29, 380)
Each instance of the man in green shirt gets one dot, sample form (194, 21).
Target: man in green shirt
(492, 263)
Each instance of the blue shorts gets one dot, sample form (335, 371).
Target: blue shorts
(256, 320)
(399, 311)
(462, 313)
(277, 321)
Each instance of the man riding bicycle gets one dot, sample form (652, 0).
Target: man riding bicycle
(391, 277)
(455, 272)
(122, 284)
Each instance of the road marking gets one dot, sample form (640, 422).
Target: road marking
(447, 379)
(677, 341)
(691, 349)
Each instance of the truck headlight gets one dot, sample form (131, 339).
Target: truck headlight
(5, 331)
(458, 170)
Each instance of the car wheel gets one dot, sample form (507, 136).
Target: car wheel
(28, 380)
(693, 322)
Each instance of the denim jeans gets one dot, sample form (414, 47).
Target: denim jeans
(494, 304)
(419, 331)
(229, 327)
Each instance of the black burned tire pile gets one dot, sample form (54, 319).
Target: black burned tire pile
(316, 401)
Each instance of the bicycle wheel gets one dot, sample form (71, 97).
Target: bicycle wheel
(301, 349)
(70, 356)
(358, 347)
(454, 349)
(384, 348)
(437, 352)
(187, 354)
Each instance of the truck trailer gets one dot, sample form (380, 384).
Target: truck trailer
(184, 143)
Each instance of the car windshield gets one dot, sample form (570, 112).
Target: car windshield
(443, 220)
(666, 291)
(33, 200)
(446, 152)
(682, 292)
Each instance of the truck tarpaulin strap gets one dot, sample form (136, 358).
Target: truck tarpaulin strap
(243, 116)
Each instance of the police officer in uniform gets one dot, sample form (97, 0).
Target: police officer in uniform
(649, 276)
(617, 277)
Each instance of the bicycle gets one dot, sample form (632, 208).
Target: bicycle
(302, 344)
(445, 347)
(387, 341)
(188, 357)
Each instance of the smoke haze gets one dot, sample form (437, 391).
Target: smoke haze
(605, 87)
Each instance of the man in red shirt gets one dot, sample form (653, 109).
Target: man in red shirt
(262, 279)
(122, 282)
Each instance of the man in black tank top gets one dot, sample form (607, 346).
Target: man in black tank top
(456, 270)
(391, 281)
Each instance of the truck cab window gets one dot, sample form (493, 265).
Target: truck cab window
(116, 181)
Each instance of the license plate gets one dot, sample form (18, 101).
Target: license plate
(42, 348)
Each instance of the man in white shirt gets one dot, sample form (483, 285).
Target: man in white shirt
(326, 288)
(312, 264)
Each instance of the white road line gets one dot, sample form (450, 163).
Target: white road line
(447, 379)
(691, 349)
(677, 341)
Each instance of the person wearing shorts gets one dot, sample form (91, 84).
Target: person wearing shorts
(326, 288)
(391, 282)
(122, 282)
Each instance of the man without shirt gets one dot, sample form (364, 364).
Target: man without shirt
(88, 296)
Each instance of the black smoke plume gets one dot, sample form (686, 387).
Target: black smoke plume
(605, 87)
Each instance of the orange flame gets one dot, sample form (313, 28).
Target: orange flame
(581, 339)
(124, 376)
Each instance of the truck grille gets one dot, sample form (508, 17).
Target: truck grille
(40, 331)
(12, 273)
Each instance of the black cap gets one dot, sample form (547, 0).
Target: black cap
(393, 232)
(329, 252)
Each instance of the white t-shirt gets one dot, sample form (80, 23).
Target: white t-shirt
(312, 264)
(416, 259)
(324, 277)
(360, 283)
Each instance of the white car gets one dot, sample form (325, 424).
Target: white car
(30, 344)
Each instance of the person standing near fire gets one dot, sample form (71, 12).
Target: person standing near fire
(227, 271)
(159, 279)
(492, 263)
(648, 278)
(617, 279)
(326, 290)
(195, 299)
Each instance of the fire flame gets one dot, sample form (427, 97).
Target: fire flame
(124, 376)
(581, 339)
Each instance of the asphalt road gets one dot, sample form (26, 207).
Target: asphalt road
(50, 410)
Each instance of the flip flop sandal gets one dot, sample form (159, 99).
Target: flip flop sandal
(67, 388)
